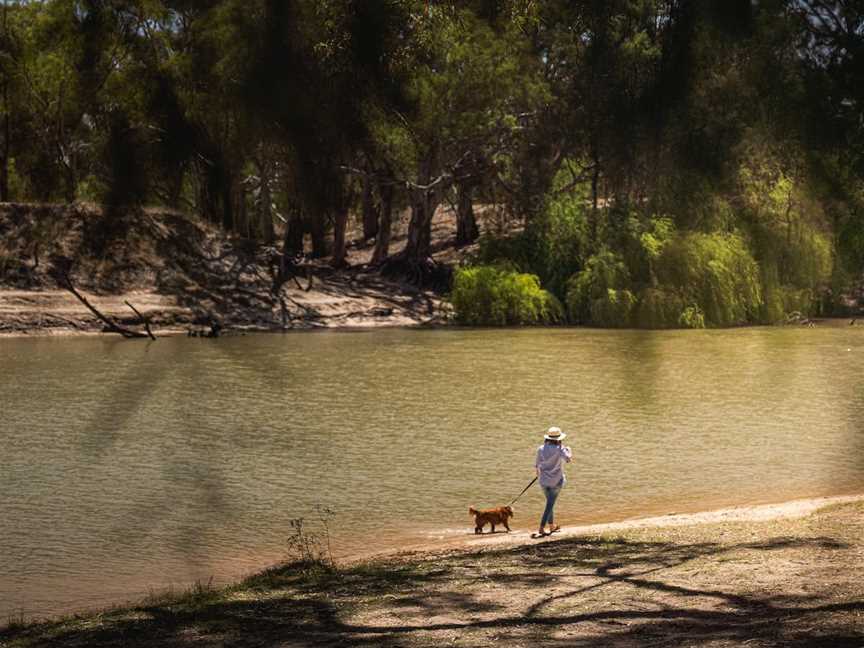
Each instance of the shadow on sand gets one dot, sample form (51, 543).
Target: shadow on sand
(430, 600)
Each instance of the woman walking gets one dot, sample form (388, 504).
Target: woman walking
(551, 457)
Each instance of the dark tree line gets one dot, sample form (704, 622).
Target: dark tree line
(284, 119)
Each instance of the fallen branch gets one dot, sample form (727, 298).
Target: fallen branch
(111, 324)
(143, 319)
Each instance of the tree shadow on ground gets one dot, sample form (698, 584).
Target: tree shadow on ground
(425, 601)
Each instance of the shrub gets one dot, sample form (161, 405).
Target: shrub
(692, 317)
(564, 240)
(552, 246)
(588, 292)
(515, 251)
(659, 309)
(715, 272)
(783, 301)
(490, 295)
(614, 309)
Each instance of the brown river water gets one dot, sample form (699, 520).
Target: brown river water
(128, 467)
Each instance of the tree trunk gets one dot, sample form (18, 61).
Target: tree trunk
(339, 225)
(175, 186)
(4, 165)
(227, 202)
(466, 223)
(370, 212)
(265, 206)
(209, 193)
(382, 240)
(265, 227)
(292, 240)
(595, 182)
(424, 202)
(418, 247)
(318, 231)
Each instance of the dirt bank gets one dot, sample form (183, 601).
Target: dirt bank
(183, 274)
(790, 575)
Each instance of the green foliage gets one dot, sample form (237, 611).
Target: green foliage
(597, 294)
(614, 309)
(692, 317)
(654, 239)
(494, 296)
(557, 242)
(787, 224)
(781, 302)
(659, 309)
(563, 236)
(521, 251)
(715, 272)
(662, 168)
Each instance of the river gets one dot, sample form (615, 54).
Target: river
(129, 466)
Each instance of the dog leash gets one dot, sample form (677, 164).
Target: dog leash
(523, 492)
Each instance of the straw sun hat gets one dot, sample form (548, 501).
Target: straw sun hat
(554, 434)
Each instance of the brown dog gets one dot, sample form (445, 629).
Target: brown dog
(491, 516)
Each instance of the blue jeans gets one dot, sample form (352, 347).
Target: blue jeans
(551, 493)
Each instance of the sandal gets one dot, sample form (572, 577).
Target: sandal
(554, 529)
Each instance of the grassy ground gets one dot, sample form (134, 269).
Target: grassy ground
(784, 582)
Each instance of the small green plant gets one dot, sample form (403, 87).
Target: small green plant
(692, 317)
(490, 295)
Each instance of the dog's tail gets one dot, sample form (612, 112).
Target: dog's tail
(472, 511)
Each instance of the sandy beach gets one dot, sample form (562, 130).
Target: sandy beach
(788, 574)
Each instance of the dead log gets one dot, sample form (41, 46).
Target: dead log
(111, 325)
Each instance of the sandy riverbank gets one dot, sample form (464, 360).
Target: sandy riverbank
(182, 273)
(792, 509)
(787, 574)
(337, 302)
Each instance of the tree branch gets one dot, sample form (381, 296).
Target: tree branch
(143, 319)
(112, 325)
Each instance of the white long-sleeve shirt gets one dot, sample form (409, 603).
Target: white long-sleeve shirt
(550, 463)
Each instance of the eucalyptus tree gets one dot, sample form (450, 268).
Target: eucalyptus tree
(469, 86)
(56, 71)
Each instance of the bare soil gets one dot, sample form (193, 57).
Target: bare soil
(789, 575)
(183, 274)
